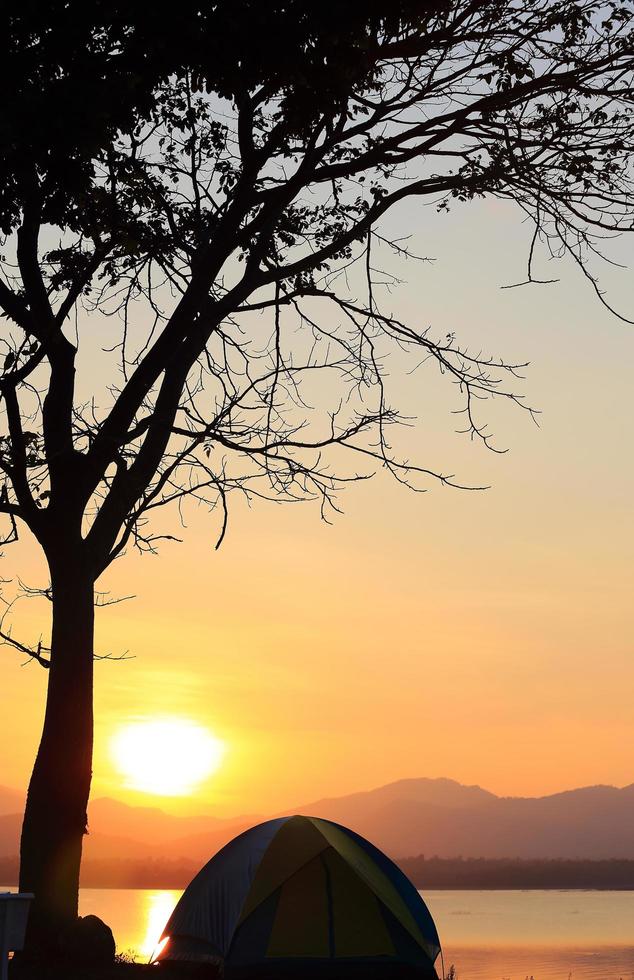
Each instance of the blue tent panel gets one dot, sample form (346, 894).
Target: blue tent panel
(212, 904)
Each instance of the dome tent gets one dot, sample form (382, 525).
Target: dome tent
(306, 898)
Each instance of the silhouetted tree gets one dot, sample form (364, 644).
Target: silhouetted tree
(214, 183)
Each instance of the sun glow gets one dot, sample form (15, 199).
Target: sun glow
(166, 757)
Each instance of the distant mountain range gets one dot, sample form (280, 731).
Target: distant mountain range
(431, 817)
(118, 832)
(443, 818)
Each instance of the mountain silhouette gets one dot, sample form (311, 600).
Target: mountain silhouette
(434, 817)
(441, 817)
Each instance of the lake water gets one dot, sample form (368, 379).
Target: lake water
(487, 935)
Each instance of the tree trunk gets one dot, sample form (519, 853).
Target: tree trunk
(55, 816)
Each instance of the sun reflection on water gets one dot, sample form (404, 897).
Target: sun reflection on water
(158, 908)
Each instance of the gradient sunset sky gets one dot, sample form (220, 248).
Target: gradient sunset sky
(484, 636)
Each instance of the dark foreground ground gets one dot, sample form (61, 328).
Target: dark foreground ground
(127, 971)
(118, 971)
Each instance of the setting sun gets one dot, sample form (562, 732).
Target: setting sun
(167, 757)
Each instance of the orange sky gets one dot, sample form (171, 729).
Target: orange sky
(481, 636)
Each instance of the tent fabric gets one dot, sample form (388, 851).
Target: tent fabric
(359, 929)
(307, 895)
(373, 875)
(409, 895)
(212, 903)
(294, 844)
(301, 926)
